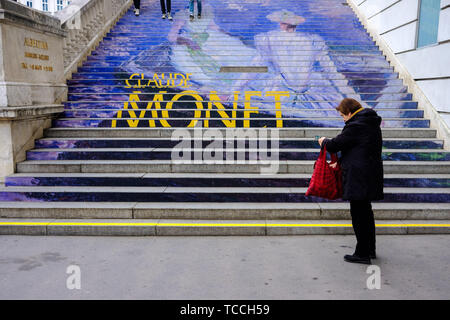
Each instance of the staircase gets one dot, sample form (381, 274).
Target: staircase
(106, 166)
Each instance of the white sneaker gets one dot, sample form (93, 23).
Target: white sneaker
(169, 16)
(164, 16)
(136, 12)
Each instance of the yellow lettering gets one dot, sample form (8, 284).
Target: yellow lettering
(182, 80)
(134, 98)
(157, 80)
(186, 80)
(215, 99)
(131, 78)
(36, 44)
(277, 95)
(247, 106)
(198, 103)
(158, 98)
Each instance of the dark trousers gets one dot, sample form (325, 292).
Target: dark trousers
(163, 6)
(137, 4)
(364, 227)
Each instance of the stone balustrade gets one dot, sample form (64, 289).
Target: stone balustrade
(86, 22)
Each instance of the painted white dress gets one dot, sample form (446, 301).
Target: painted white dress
(204, 54)
(195, 48)
(294, 59)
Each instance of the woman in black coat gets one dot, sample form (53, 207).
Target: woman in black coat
(360, 144)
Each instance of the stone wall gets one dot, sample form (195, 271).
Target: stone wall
(31, 63)
(38, 53)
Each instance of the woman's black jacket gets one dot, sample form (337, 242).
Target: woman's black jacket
(360, 143)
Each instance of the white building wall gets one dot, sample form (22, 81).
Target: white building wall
(396, 21)
(37, 4)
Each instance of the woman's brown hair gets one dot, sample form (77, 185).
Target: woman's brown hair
(348, 105)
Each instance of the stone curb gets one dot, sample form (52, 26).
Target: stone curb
(210, 228)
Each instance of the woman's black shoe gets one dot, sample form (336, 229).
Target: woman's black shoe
(357, 259)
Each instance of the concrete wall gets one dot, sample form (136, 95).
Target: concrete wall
(396, 22)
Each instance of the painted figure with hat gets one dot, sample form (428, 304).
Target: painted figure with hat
(278, 49)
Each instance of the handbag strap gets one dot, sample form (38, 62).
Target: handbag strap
(323, 154)
(334, 157)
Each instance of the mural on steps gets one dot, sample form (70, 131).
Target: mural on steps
(245, 63)
(253, 63)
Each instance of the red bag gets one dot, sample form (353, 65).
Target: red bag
(326, 182)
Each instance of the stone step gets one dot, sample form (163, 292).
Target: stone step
(98, 108)
(316, 27)
(154, 166)
(58, 143)
(311, 82)
(234, 153)
(94, 88)
(216, 44)
(299, 132)
(152, 9)
(218, 211)
(239, 113)
(358, 64)
(204, 180)
(255, 122)
(304, 99)
(244, 59)
(331, 96)
(338, 59)
(147, 18)
(219, 48)
(262, 104)
(197, 194)
(221, 41)
(109, 41)
(115, 35)
(330, 73)
(138, 84)
(148, 14)
(129, 22)
(173, 227)
(323, 32)
(142, 44)
(297, 57)
(328, 41)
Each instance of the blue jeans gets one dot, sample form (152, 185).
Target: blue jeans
(199, 6)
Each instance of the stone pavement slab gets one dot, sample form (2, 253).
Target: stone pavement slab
(278, 267)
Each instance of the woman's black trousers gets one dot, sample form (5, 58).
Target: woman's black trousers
(364, 227)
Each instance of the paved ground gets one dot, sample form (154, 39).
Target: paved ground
(296, 267)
